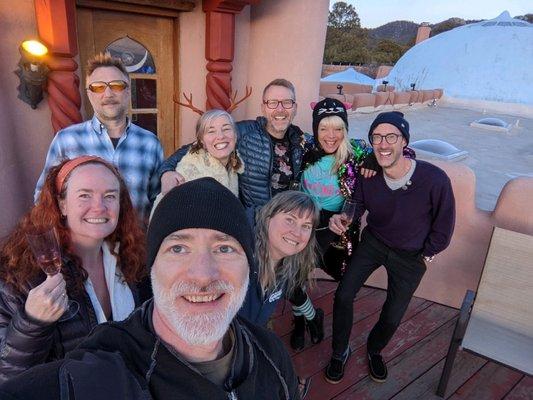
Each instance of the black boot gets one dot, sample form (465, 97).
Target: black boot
(316, 326)
(298, 334)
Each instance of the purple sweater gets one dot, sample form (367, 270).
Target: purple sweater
(420, 218)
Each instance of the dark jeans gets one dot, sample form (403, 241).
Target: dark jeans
(329, 262)
(298, 297)
(404, 272)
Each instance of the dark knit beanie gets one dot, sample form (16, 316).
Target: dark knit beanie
(328, 108)
(201, 203)
(394, 118)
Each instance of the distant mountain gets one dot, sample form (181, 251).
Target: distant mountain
(449, 24)
(402, 32)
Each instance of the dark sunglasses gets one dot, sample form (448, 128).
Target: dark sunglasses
(115, 86)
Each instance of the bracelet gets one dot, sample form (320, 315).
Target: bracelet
(429, 258)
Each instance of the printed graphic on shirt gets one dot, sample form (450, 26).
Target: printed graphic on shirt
(323, 185)
(275, 296)
(281, 167)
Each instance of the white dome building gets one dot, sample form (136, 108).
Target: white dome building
(489, 60)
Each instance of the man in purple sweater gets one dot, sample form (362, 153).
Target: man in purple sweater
(411, 216)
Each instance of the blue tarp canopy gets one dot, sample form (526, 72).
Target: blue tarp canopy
(351, 76)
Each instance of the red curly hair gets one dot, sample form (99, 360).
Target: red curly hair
(17, 264)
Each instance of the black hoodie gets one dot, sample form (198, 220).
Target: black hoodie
(126, 360)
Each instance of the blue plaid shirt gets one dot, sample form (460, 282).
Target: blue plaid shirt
(137, 156)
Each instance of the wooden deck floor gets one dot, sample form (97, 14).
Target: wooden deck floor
(415, 355)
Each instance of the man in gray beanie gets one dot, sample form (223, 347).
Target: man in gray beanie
(187, 341)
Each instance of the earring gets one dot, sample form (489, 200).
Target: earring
(233, 158)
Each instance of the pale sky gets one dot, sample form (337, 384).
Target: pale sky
(374, 13)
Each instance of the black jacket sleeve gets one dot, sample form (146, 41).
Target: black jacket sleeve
(170, 163)
(24, 342)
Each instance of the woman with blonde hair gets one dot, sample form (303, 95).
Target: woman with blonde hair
(285, 253)
(213, 154)
(329, 173)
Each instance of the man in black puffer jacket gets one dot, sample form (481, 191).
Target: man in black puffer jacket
(186, 343)
(271, 148)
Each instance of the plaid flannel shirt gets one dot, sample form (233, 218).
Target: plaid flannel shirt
(137, 156)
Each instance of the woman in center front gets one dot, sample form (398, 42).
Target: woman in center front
(285, 253)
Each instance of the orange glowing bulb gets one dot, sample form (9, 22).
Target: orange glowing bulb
(34, 47)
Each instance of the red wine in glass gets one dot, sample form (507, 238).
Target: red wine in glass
(45, 248)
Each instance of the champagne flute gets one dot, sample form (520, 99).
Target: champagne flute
(45, 248)
(347, 214)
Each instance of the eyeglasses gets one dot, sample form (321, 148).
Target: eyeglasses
(100, 86)
(273, 104)
(390, 138)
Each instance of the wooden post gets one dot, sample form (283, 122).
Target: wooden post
(219, 49)
(56, 23)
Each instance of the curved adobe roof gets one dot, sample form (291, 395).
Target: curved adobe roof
(489, 60)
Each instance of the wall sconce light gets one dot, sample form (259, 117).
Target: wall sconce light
(385, 83)
(339, 88)
(32, 72)
(413, 86)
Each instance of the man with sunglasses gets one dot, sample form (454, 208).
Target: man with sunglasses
(411, 216)
(136, 152)
(270, 146)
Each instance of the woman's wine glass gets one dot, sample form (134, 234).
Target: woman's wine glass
(347, 214)
(45, 248)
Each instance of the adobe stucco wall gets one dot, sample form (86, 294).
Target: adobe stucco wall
(25, 134)
(273, 39)
(192, 68)
(287, 41)
(192, 64)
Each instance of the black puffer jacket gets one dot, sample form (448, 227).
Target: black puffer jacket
(127, 361)
(25, 342)
(256, 148)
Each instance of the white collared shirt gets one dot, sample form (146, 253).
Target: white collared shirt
(120, 295)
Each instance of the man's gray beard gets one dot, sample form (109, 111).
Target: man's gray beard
(199, 329)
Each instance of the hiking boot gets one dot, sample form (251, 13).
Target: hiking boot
(298, 334)
(335, 370)
(316, 326)
(377, 368)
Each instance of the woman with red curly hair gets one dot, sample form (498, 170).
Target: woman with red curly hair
(87, 203)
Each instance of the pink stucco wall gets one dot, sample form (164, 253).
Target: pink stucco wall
(25, 134)
(287, 41)
(191, 67)
(271, 42)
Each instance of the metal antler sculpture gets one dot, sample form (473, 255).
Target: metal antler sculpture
(234, 103)
(189, 103)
